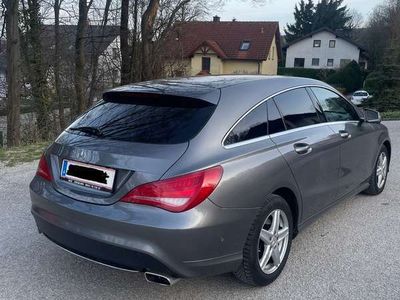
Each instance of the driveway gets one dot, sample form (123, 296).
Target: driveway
(351, 252)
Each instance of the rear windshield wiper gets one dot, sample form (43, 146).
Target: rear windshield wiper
(88, 129)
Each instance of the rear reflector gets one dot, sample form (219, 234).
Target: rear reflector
(43, 169)
(177, 194)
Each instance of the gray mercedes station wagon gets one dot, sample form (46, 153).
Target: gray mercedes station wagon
(208, 175)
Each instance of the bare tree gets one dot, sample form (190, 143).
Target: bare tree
(377, 34)
(147, 27)
(133, 76)
(57, 79)
(356, 20)
(170, 12)
(13, 74)
(2, 21)
(37, 71)
(95, 55)
(81, 103)
(124, 37)
(141, 59)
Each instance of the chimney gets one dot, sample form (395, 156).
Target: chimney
(216, 18)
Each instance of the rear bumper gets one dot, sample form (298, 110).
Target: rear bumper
(103, 253)
(203, 241)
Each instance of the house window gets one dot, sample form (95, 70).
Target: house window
(205, 64)
(332, 44)
(245, 45)
(330, 62)
(317, 44)
(315, 62)
(299, 62)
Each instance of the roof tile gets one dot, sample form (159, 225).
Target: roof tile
(226, 37)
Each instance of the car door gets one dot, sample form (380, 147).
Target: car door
(309, 147)
(357, 145)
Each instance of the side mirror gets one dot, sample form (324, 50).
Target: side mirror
(372, 116)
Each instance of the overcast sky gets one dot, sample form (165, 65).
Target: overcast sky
(280, 10)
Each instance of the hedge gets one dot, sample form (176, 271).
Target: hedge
(319, 74)
(348, 79)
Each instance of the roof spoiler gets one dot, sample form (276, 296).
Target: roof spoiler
(156, 99)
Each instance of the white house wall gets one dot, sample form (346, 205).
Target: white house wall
(304, 49)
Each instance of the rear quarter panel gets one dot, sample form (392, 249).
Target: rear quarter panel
(251, 173)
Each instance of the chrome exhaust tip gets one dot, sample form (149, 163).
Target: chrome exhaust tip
(160, 279)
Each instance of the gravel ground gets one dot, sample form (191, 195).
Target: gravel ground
(350, 252)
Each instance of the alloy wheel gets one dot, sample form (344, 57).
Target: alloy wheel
(381, 170)
(273, 241)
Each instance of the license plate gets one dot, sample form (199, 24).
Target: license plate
(91, 176)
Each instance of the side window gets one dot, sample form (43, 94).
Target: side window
(297, 108)
(252, 126)
(334, 107)
(275, 122)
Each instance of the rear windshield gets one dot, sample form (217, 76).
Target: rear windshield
(153, 122)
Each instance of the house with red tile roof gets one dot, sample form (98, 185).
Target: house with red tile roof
(219, 47)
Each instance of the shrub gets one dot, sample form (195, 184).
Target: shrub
(374, 82)
(350, 77)
(384, 85)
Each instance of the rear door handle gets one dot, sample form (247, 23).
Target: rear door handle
(344, 134)
(302, 148)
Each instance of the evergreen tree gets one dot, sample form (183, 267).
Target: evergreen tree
(310, 17)
(331, 14)
(304, 17)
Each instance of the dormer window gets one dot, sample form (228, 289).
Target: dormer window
(245, 45)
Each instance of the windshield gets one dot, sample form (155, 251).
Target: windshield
(153, 123)
(360, 94)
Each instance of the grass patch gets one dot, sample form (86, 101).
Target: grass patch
(391, 115)
(26, 153)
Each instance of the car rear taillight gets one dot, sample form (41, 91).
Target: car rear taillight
(43, 169)
(177, 194)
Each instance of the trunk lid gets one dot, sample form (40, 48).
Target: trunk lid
(134, 163)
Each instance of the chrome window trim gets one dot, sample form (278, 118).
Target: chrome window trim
(289, 131)
(250, 141)
(310, 126)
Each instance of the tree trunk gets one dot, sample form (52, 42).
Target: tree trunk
(57, 79)
(95, 56)
(133, 76)
(13, 74)
(147, 25)
(124, 36)
(79, 80)
(37, 74)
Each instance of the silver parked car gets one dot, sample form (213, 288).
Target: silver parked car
(207, 175)
(359, 97)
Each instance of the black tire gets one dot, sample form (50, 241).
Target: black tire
(250, 271)
(373, 188)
